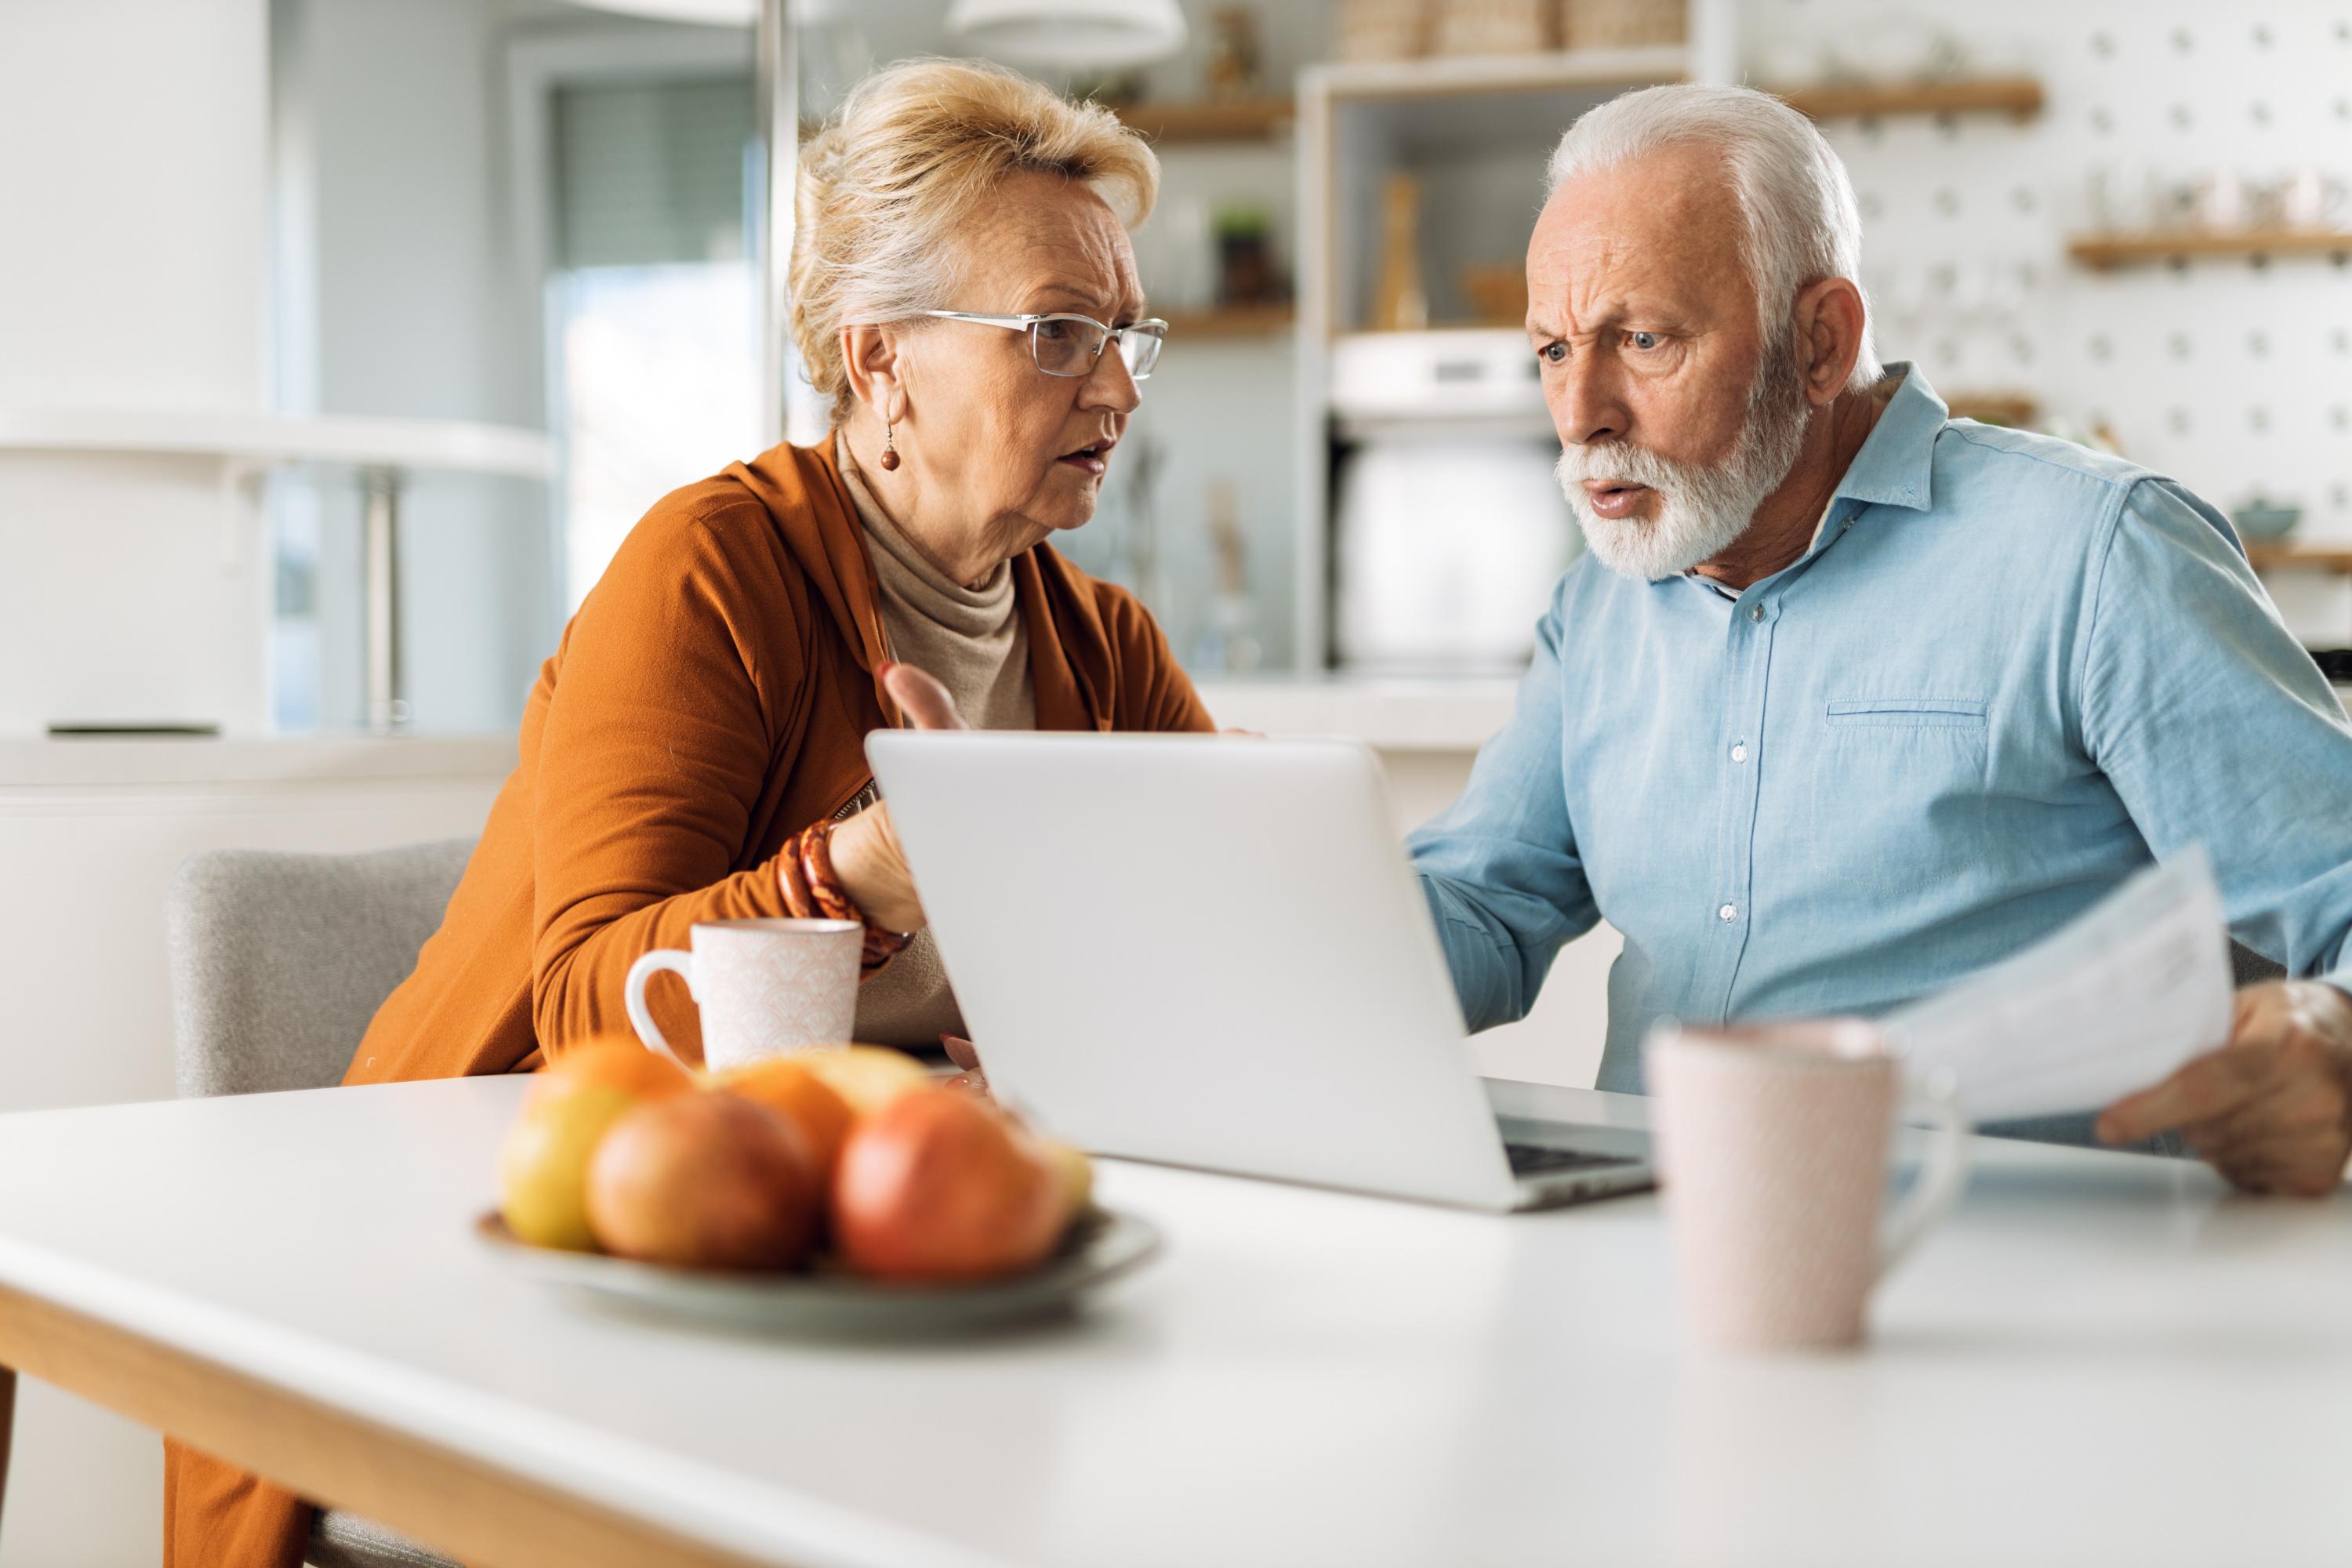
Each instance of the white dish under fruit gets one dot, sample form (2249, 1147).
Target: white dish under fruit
(1101, 1245)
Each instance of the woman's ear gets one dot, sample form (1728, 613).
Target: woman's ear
(870, 353)
(1829, 335)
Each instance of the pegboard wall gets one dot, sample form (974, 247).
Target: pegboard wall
(2232, 375)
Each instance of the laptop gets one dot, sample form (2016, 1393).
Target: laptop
(1212, 951)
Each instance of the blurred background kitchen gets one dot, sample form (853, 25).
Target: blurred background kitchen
(342, 340)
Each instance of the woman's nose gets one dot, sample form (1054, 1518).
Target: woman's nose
(1110, 385)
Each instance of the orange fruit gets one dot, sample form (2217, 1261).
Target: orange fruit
(786, 1086)
(607, 1061)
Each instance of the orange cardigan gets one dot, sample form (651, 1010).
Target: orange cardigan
(710, 700)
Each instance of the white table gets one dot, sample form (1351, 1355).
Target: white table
(2102, 1359)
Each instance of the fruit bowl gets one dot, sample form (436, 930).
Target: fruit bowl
(1100, 1246)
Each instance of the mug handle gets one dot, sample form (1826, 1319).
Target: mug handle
(1941, 1176)
(633, 992)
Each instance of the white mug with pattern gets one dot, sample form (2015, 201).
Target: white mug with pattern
(765, 987)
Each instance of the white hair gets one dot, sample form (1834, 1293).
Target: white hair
(1794, 197)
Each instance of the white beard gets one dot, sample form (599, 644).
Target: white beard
(1700, 509)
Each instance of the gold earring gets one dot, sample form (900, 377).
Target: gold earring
(890, 449)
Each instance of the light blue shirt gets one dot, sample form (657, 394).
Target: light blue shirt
(2008, 673)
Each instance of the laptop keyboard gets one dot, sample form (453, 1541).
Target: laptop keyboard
(1541, 1160)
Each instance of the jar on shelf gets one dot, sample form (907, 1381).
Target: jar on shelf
(1493, 27)
(1381, 29)
(1622, 24)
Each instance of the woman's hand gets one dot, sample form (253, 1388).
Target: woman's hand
(866, 855)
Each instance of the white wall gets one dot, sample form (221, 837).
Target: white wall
(133, 276)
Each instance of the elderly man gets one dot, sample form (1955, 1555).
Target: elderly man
(1849, 698)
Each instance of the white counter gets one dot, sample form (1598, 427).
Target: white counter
(114, 761)
(1392, 715)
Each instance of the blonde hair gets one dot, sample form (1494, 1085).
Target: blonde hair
(912, 154)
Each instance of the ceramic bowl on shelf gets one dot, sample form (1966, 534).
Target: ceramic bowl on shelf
(2265, 520)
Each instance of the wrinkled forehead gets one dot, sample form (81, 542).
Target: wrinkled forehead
(1667, 224)
(1041, 242)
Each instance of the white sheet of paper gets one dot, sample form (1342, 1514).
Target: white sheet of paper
(2109, 1005)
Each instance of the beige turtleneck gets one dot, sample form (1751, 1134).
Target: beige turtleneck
(974, 641)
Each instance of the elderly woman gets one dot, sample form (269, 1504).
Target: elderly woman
(964, 291)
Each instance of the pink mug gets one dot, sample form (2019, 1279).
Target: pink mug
(1772, 1146)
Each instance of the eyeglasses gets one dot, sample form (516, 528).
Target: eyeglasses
(1069, 346)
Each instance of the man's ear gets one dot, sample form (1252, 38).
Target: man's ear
(871, 354)
(1829, 337)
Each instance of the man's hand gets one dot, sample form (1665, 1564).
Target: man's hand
(867, 856)
(2271, 1110)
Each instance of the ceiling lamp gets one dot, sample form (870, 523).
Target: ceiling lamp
(1105, 35)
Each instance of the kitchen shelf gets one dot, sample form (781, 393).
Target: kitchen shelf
(2103, 251)
(2274, 556)
(1228, 321)
(2019, 96)
(1470, 75)
(1244, 120)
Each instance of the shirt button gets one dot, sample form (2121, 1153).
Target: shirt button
(1739, 752)
(1728, 912)
(1757, 614)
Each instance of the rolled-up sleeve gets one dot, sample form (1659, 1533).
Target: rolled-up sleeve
(1500, 866)
(2214, 725)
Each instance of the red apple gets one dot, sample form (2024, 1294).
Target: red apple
(937, 1188)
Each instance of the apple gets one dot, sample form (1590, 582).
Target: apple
(937, 1187)
(705, 1180)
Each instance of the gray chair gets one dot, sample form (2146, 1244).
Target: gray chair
(277, 964)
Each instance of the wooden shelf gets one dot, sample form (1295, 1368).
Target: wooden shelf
(1246, 119)
(1993, 407)
(2107, 250)
(1230, 322)
(1474, 75)
(2019, 96)
(2275, 555)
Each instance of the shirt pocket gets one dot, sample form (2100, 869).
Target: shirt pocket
(1963, 713)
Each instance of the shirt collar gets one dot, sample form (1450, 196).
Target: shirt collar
(1894, 466)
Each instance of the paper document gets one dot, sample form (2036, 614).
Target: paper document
(2106, 1006)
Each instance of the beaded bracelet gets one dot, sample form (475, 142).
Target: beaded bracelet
(812, 891)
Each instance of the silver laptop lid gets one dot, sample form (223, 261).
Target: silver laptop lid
(1205, 951)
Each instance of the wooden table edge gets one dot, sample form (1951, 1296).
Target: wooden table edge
(482, 1515)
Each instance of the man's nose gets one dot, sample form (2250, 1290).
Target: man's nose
(1585, 404)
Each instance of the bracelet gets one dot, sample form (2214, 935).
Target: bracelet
(810, 852)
